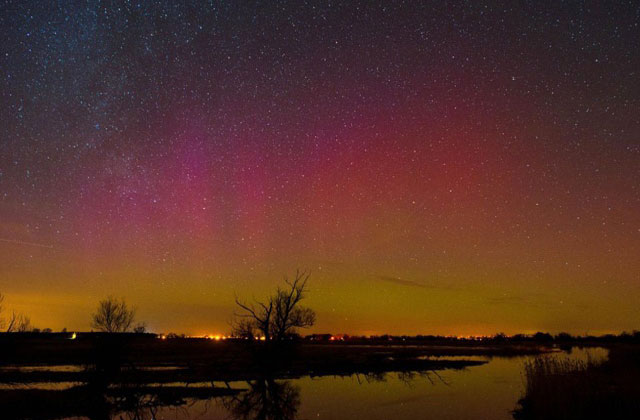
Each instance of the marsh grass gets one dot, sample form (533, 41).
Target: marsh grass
(569, 388)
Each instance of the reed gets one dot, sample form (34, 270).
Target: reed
(568, 388)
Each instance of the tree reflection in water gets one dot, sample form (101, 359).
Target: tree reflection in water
(266, 399)
(113, 389)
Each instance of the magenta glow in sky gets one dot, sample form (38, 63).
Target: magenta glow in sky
(439, 168)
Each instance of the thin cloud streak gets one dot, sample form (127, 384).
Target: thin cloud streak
(25, 243)
(409, 283)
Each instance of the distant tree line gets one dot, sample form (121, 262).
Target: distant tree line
(539, 337)
(280, 317)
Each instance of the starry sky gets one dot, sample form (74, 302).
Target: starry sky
(440, 167)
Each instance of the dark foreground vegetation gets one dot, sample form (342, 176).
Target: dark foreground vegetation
(574, 389)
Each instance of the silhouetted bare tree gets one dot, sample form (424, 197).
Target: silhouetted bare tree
(278, 317)
(17, 322)
(244, 328)
(113, 316)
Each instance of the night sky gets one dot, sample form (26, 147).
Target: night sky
(440, 167)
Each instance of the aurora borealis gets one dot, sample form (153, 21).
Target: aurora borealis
(440, 167)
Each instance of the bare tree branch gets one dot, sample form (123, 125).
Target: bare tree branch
(12, 322)
(19, 323)
(113, 315)
(278, 317)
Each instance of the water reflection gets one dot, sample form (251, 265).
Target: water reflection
(266, 399)
(135, 402)
(108, 388)
(488, 391)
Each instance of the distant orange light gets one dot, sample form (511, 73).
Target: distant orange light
(216, 337)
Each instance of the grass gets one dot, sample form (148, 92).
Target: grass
(565, 388)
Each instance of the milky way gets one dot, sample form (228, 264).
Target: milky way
(440, 167)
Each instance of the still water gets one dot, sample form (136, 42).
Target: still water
(488, 391)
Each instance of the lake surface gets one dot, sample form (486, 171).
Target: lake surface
(489, 391)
